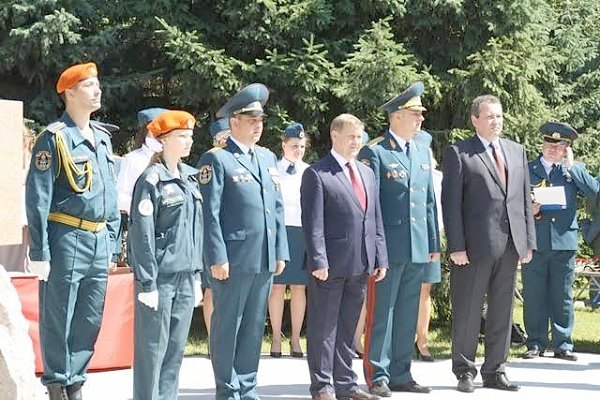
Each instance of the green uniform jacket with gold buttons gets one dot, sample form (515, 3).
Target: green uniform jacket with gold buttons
(407, 198)
(557, 229)
(243, 210)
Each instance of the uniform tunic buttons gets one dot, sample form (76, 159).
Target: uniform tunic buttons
(413, 219)
(269, 231)
(410, 190)
(412, 203)
(553, 219)
(268, 211)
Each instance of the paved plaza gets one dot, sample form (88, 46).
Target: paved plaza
(287, 378)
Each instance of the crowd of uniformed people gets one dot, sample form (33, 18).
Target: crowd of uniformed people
(230, 229)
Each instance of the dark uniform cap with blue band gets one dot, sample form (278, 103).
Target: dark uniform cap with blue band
(146, 116)
(410, 99)
(249, 101)
(294, 130)
(558, 132)
(218, 126)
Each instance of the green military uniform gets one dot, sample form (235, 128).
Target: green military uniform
(71, 204)
(548, 278)
(165, 252)
(409, 218)
(244, 226)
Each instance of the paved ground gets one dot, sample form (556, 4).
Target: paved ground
(287, 378)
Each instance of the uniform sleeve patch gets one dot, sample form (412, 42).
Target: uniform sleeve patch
(43, 160)
(146, 208)
(205, 174)
(366, 162)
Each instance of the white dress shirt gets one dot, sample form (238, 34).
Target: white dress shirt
(547, 165)
(290, 190)
(132, 166)
(488, 149)
(342, 161)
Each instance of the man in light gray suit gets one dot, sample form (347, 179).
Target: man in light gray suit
(488, 217)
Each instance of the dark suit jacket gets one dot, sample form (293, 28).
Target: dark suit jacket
(480, 216)
(339, 235)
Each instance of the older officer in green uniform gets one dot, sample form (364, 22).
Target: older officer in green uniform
(402, 166)
(245, 241)
(165, 252)
(548, 278)
(71, 202)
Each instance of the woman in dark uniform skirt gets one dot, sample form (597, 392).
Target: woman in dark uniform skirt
(432, 273)
(291, 168)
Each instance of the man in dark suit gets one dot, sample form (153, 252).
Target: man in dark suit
(245, 242)
(488, 217)
(345, 242)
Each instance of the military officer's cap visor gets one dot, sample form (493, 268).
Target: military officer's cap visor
(218, 126)
(410, 99)
(248, 101)
(558, 132)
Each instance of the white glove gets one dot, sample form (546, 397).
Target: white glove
(198, 296)
(40, 268)
(149, 298)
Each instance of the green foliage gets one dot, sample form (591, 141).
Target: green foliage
(319, 58)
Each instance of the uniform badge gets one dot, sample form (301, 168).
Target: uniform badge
(169, 189)
(235, 179)
(43, 160)
(205, 174)
(366, 162)
(145, 207)
(402, 174)
(425, 167)
(152, 178)
(388, 175)
(394, 165)
(394, 174)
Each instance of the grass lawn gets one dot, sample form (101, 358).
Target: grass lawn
(586, 335)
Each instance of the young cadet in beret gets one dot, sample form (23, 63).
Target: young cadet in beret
(291, 167)
(136, 161)
(403, 171)
(548, 278)
(244, 245)
(165, 252)
(71, 204)
(219, 131)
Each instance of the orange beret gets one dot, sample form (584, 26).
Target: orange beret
(171, 120)
(74, 74)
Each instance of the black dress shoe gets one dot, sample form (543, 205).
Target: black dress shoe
(275, 354)
(423, 357)
(499, 381)
(465, 383)
(411, 386)
(296, 354)
(566, 355)
(74, 391)
(381, 389)
(358, 394)
(533, 353)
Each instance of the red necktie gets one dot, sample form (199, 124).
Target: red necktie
(500, 167)
(359, 190)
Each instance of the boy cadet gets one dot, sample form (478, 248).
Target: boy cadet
(71, 203)
(243, 246)
(548, 278)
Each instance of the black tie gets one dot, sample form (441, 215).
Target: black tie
(553, 171)
(291, 169)
(407, 149)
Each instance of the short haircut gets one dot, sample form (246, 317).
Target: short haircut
(345, 120)
(479, 100)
